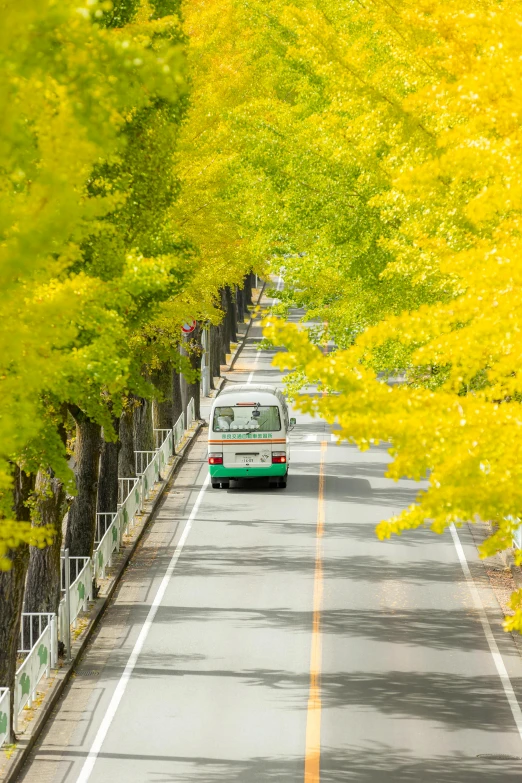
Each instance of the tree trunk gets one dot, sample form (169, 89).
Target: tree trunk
(12, 584)
(215, 369)
(43, 588)
(108, 483)
(224, 329)
(126, 462)
(240, 299)
(177, 406)
(81, 519)
(195, 350)
(224, 343)
(143, 428)
(247, 288)
(231, 315)
(163, 380)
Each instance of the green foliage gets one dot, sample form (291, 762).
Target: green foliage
(165, 7)
(91, 117)
(122, 13)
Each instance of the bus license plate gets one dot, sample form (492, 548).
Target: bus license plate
(247, 459)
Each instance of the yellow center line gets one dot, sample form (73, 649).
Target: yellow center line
(312, 773)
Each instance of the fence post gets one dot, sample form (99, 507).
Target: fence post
(67, 629)
(5, 712)
(183, 383)
(139, 486)
(54, 642)
(205, 364)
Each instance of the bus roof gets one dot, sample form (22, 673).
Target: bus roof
(239, 388)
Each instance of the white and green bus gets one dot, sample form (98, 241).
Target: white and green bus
(248, 435)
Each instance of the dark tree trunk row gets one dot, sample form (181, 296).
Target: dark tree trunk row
(12, 584)
(81, 521)
(43, 588)
(177, 406)
(194, 353)
(126, 464)
(163, 380)
(247, 288)
(108, 483)
(143, 426)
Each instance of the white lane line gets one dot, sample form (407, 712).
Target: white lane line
(493, 648)
(310, 438)
(251, 376)
(258, 353)
(131, 663)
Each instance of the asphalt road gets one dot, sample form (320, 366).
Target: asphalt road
(287, 644)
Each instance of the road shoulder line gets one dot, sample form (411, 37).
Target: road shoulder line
(490, 638)
(121, 687)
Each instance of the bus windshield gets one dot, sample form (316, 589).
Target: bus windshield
(258, 418)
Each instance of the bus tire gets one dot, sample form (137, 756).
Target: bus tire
(216, 485)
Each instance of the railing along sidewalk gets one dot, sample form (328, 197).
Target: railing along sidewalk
(132, 502)
(108, 544)
(179, 431)
(5, 713)
(36, 665)
(80, 589)
(77, 573)
(191, 413)
(143, 460)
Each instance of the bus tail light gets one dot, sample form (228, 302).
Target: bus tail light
(215, 459)
(278, 457)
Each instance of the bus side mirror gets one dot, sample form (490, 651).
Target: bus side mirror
(293, 422)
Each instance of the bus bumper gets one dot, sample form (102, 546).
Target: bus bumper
(222, 473)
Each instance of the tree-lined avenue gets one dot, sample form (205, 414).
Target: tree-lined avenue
(245, 639)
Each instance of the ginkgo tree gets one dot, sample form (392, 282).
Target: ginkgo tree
(376, 148)
(78, 85)
(103, 258)
(431, 108)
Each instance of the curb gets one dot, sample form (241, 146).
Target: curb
(64, 674)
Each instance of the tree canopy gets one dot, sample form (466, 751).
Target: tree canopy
(154, 152)
(375, 149)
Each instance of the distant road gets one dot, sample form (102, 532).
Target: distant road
(286, 644)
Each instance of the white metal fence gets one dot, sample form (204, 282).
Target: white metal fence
(143, 460)
(39, 632)
(76, 565)
(5, 712)
(132, 503)
(151, 475)
(160, 437)
(103, 522)
(191, 415)
(32, 625)
(36, 665)
(179, 431)
(80, 590)
(125, 486)
(109, 543)
(166, 451)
